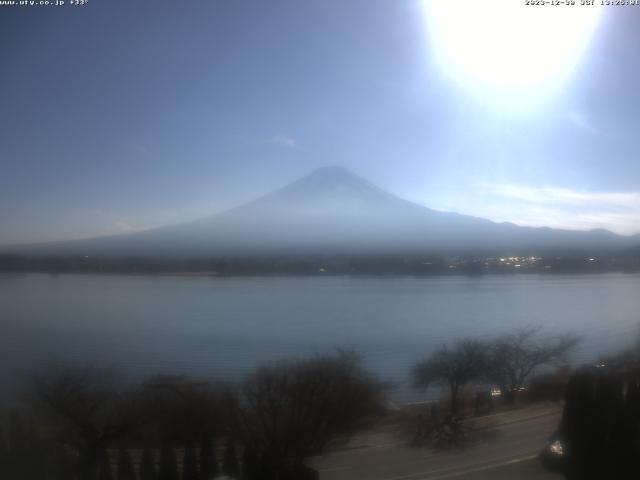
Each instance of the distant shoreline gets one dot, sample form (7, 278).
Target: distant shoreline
(418, 265)
(217, 275)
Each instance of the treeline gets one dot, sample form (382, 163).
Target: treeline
(315, 265)
(90, 424)
(87, 424)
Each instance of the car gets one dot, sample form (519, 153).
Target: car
(554, 455)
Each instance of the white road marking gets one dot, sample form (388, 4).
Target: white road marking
(486, 467)
(334, 469)
(426, 475)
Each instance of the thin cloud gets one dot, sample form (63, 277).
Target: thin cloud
(120, 228)
(565, 196)
(278, 139)
(564, 208)
(284, 140)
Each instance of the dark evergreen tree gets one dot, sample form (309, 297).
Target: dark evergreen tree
(35, 455)
(600, 424)
(168, 467)
(230, 460)
(148, 466)
(126, 470)
(4, 456)
(189, 463)
(104, 469)
(17, 434)
(250, 464)
(60, 465)
(17, 447)
(208, 460)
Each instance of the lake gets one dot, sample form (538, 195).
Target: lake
(225, 327)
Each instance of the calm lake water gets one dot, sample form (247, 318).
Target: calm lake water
(224, 327)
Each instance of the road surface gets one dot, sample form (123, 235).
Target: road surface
(507, 448)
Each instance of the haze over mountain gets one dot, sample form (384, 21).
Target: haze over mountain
(334, 211)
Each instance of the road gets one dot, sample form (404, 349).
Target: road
(506, 449)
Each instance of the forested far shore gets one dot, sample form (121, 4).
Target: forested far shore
(325, 264)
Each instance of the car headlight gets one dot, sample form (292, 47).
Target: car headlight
(557, 448)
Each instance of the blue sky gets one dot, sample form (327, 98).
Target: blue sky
(123, 115)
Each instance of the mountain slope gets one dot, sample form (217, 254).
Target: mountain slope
(334, 211)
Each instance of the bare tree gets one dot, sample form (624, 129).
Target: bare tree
(289, 411)
(85, 409)
(183, 409)
(454, 367)
(514, 357)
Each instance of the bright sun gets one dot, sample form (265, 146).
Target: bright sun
(507, 45)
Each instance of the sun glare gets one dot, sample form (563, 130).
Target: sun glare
(506, 45)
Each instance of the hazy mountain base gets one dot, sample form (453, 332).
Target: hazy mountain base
(334, 213)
